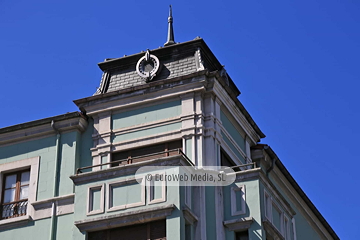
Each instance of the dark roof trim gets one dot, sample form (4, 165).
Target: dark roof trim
(298, 189)
(41, 122)
(164, 51)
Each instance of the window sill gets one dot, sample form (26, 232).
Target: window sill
(14, 222)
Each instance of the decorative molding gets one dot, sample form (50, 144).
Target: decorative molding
(240, 224)
(42, 129)
(134, 96)
(272, 231)
(148, 140)
(230, 105)
(33, 164)
(14, 222)
(124, 219)
(64, 205)
(140, 66)
(189, 216)
(90, 200)
(150, 191)
(234, 200)
(145, 126)
(199, 61)
(125, 182)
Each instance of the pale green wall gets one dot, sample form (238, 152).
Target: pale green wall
(67, 162)
(147, 132)
(252, 208)
(85, 143)
(188, 148)
(232, 147)
(304, 230)
(45, 148)
(35, 230)
(173, 222)
(146, 115)
(210, 213)
(231, 129)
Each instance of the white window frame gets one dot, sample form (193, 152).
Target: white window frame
(268, 206)
(188, 191)
(90, 199)
(269, 203)
(111, 208)
(234, 211)
(294, 228)
(150, 189)
(33, 164)
(287, 228)
(281, 230)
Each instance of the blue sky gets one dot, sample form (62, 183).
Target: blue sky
(295, 62)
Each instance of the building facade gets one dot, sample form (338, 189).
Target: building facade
(73, 176)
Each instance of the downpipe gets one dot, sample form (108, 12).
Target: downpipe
(56, 184)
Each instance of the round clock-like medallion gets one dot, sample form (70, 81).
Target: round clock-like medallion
(148, 66)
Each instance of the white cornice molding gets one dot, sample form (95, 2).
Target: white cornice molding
(43, 130)
(63, 204)
(145, 126)
(124, 219)
(239, 224)
(234, 110)
(141, 97)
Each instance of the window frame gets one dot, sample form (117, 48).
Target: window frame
(17, 198)
(6, 168)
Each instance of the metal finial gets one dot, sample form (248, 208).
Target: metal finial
(170, 37)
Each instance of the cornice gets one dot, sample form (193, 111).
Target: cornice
(124, 219)
(63, 123)
(143, 93)
(242, 116)
(300, 198)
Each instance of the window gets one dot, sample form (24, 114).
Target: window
(153, 230)
(15, 194)
(147, 153)
(242, 236)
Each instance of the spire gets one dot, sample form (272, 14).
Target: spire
(170, 37)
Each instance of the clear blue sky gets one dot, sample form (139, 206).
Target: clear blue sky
(295, 62)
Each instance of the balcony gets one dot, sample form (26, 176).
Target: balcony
(13, 209)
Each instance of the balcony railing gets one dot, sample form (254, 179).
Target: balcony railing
(13, 209)
(244, 167)
(130, 160)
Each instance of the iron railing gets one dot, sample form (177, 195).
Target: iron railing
(243, 167)
(13, 209)
(130, 159)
